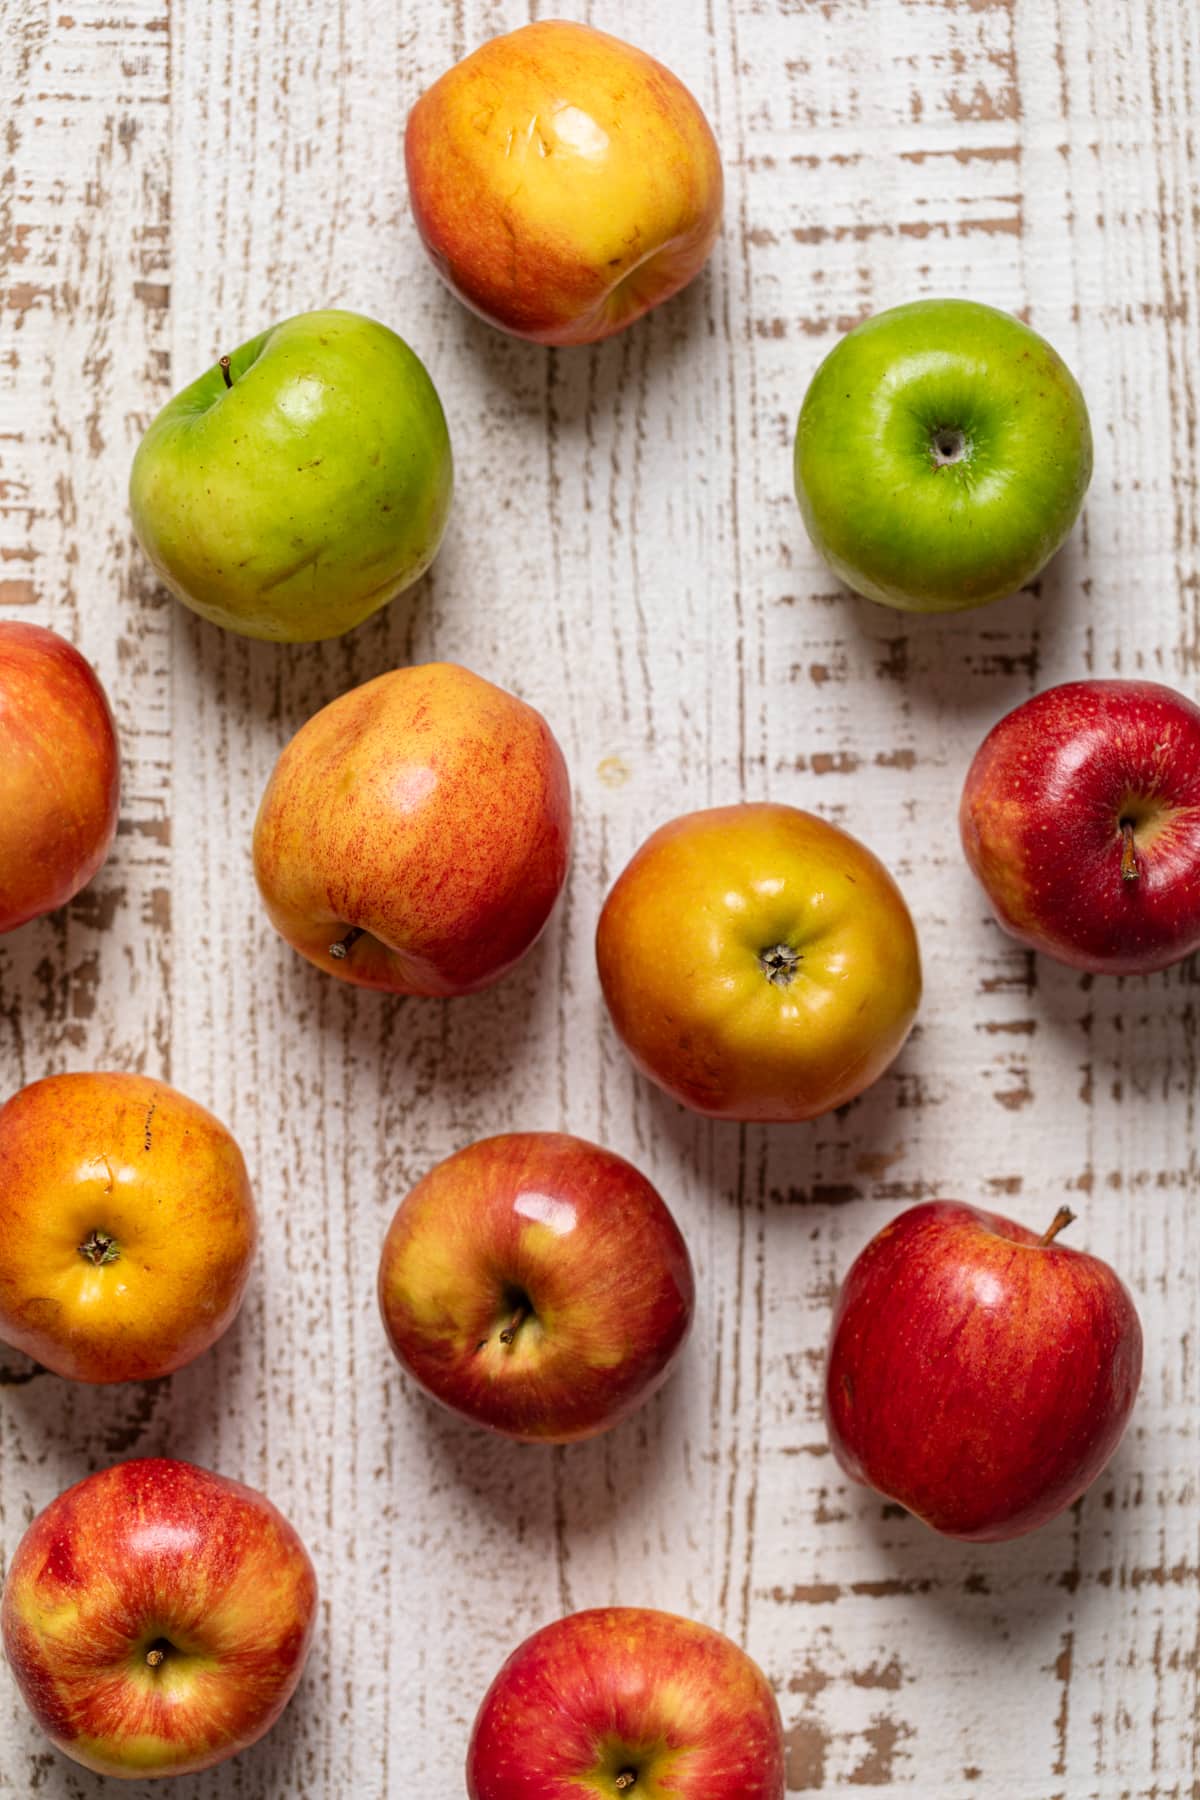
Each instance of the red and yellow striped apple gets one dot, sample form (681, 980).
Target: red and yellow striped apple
(157, 1618)
(127, 1226)
(978, 1374)
(538, 1285)
(60, 775)
(563, 182)
(758, 963)
(627, 1704)
(1080, 816)
(414, 836)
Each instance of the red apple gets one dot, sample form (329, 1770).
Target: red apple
(621, 1702)
(1081, 817)
(157, 1618)
(563, 182)
(538, 1285)
(59, 773)
(978, 1374)
(414, 836)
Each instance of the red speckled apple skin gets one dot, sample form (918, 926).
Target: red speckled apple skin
(1041, 822)
(976, 1376)
(626, 1686)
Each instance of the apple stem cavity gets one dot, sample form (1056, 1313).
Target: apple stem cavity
(779, 964)
(1129, 861)
(1059, 1222)
(341, 950)
(99, 1248)
(224, 368)
(948, 445)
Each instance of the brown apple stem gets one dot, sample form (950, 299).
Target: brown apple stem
(625, 1780)
(1059, 1222)
(154, 1657)
(514, 1325)
(341, 950)
(224, 368)
(1129, 861)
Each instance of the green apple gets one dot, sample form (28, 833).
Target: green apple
(300, 484)
(942, 455)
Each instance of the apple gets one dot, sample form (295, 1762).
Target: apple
(942, 455)
(300, 484)
(415, 833)
(563, 182)
(624, 1701)
(758, 963)
(1081, 818)
(978, 1374)
(536, 1284)
(127, 1226)
(157, 1618)
(60, 773)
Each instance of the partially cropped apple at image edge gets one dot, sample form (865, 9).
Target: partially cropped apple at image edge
(301, 483)
(942, 455)
(415, 833)
(563, 182)
(127, 1226)
(758, 963)
(157, 1618)
(538, 1285)
(60, 776)
(1080, 816)
(978, 1374)
(628, 1704)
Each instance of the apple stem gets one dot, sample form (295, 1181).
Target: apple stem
(341, 950)
(154, 1657)
(625, 1780)
(224, 367)
(1059, 1222)
(1129, 861)
(514, 1325)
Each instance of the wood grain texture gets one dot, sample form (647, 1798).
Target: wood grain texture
(626, 552)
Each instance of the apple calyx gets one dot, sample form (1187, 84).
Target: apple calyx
(99, 1248)
(1062, 1218)
(1129, 861)
(341, 950)
(223, 365)
(779, 964)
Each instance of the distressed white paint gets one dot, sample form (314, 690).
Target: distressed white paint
(625, 550)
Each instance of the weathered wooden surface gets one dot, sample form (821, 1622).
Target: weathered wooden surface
(625, 551)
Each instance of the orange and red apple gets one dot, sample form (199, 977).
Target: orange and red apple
(758, 963)
(60, 775)
(157, 1618)
(978, 1374)
(415, 833)
(624, 1702)
(563, 182)
(127, 1226)
(536, 1284)
(1080, 817)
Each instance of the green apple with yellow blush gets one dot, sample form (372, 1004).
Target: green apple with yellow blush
(942, 455)
(301, 483)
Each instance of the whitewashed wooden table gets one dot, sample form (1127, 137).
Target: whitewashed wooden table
(626, 552)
